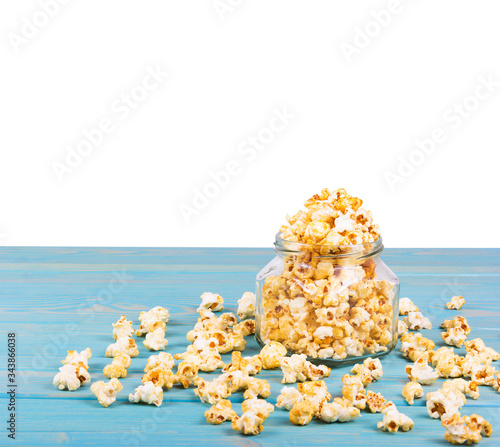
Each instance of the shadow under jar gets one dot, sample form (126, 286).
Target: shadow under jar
(334, 303)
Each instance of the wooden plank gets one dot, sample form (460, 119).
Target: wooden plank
(43, 289)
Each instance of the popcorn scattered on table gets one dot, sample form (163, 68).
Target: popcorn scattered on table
(122, 327)
(477, 346)
(411, 391)
(406, 306)
(414, 345)
(421, 371)
(260, 407)
(288, 397)
(211, 391)
(118, 367)
(250, 365)
(447, 363)
(163, 359)
(147, 393)
(402, 328)
(106, 392)
(393, 420)
(76, 357)
(353, 390)
(375, 402)
(456, 302)
(444, 402)
(155, 341)
(339, 410)
(457, 322)
(211, 301)
(454, 336)
(187, 373)
(272, 354)
(220, 412)
(71, 376)
(297, 368)
(470, 388)
(466, 429)
(416, 321)
(246, 306)
(245, 327)
(155, 318)
(160, 377)
(301, 413)
(370, 366)
(125, 345)
(248, 423)
(206, 359)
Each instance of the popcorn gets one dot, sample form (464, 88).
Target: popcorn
(416, 321)
(187, 373)
(421, 371)
(256, 388)
(370, 366)
(163, 359)
(155, 318)
(220, 412)
(457, 322)
(246, 327)
(413, 346)
(106, 392)
(155, 341)
(71, 376)
(125, 345)
(147, 393)
(402, 328)
(444, 402)
(447, 363)
(248, 423)
(272, 354)
(461, 430)
(375, 402)
(412, 390)
(206, 359)
(76, 357)
(211, 392)
(339, 410)
(393, 420)
(301, 413)
(469, 388)
(246, 305)
(483, 374)
(454, 336)
(211, 301)
(122, 327)
(250, 365)
(406, 306)
(118, 366)
(316, 393)
(288, 397)
(477, 346)
(456, 302)
(260, 407)
(160, 377)
(297, 369)
(353, 391)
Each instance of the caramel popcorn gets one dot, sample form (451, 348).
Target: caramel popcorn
(477, 346)
(71, 376)
(272, 354)
(163, 359)
(353, 390)
(155, 340)
(375, 402)
(370, 366)
(461, 430)
(416, 321)
(248, 423)
(402, 328)
(457, 322)
(421, 371)
(412, 390)
(122, 327)
(245, 327)
(125, 345)
(301, 413)
(470, 388)
(297, 369)
(256, 388)
(155, 318)
(454, 336)
(220, 412)
(118, 366)
(187, 373)
(456, 302)
(413, 346)
(147, 393)
(211, 392)
(393, 420)
(288, 397)
(246, 306)
(211, 301)
(206, 359)
(161, 377)
(260, 407)
(316, 393)
(447, 363)
(444, 402)
(106, 392)
(483, 374)
(250, 365)
(76, 357)
(340, 410)
(406, 306)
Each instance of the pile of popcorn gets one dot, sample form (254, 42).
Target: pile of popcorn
(430, 364)
(324, 305)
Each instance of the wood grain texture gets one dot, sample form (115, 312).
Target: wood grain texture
(57, 299)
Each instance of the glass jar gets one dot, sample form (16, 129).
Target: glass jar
(334, 303)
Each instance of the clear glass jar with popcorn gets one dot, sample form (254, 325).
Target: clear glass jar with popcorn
(327, 293)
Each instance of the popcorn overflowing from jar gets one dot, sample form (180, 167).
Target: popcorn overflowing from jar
(327, 294)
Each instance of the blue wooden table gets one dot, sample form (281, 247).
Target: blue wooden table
(56, 299)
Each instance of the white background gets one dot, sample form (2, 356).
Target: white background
(357, 114)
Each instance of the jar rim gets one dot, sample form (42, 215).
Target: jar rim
(360, 251)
